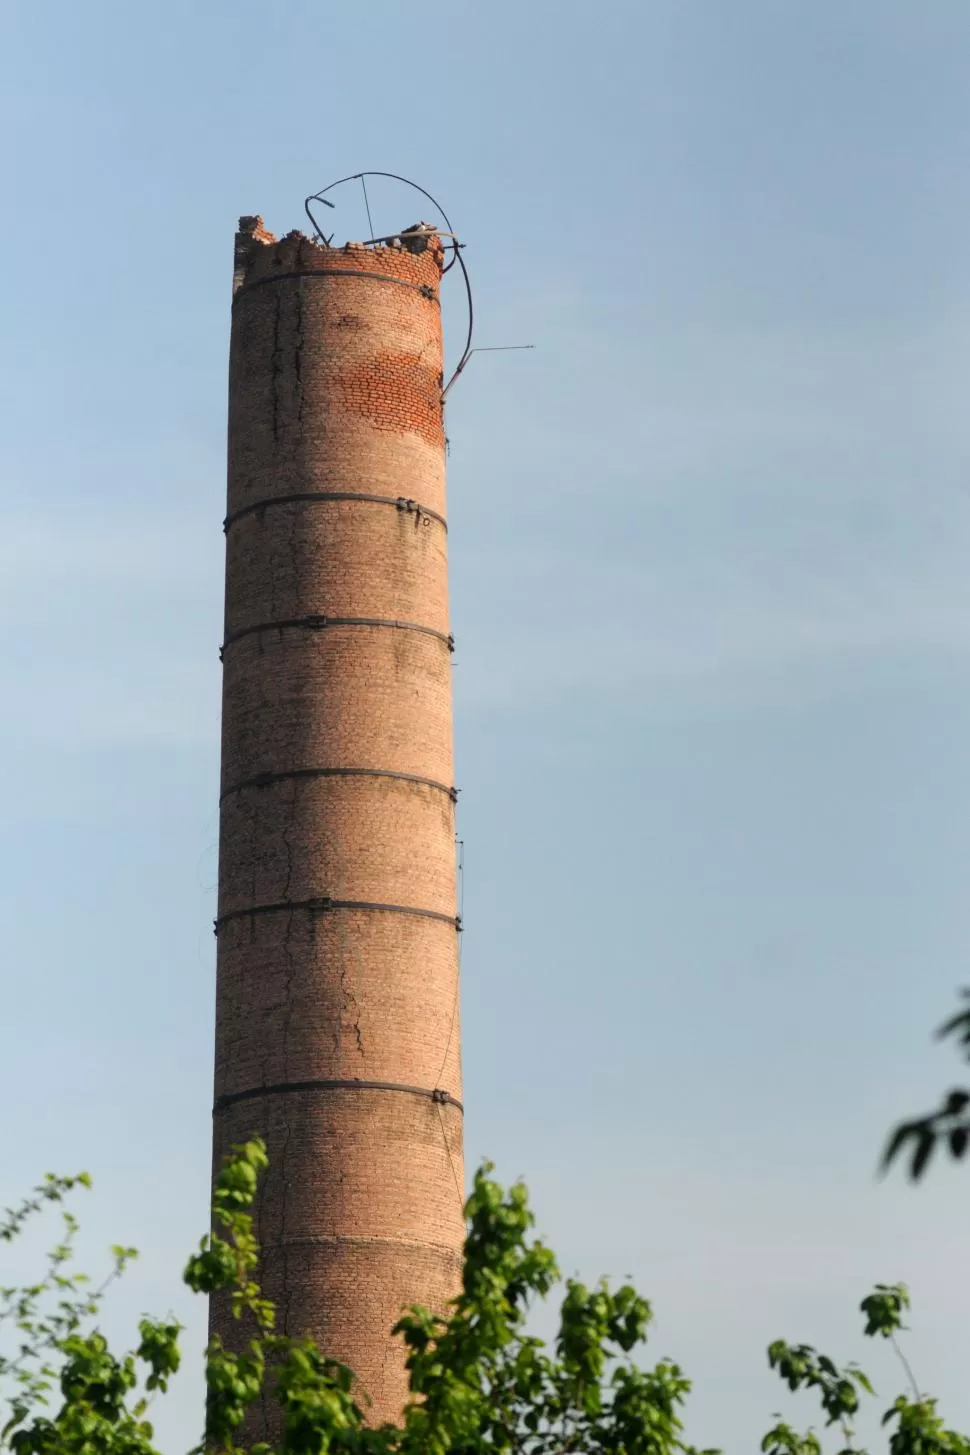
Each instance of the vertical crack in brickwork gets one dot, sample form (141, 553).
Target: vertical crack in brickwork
(288, 846)
(274, 564)
(350, 1008)
(254, 867)
(300, 287)
(276, 365)
(284, 1117)
(356, 1025)
(294, 562)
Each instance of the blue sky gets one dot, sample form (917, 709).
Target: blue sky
(709, 546)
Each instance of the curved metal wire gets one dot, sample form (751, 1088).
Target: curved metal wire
(313, 221)
(471, 321)
(321, 196)
(359, 177)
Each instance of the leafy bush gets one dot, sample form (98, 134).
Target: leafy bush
(480, 1383)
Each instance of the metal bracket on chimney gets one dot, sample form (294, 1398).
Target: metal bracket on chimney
(285, 1088)
(400, 502)
(263, 780)
(318, 622)
(323, 904)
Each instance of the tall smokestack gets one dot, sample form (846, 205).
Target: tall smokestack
(337, 1030)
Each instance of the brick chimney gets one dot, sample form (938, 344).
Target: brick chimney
(337, 1024)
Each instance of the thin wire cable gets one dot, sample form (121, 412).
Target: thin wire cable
(394, 176)
(451, 1029)
(370, 222)
(454, 1169)
(471, 322)
(454, 1003)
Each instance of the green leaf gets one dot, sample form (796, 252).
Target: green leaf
(902, 1134)
(958, 1139)
(926, 1142)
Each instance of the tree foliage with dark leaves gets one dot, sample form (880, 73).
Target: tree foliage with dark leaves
(480, 1382)
(949, 1125)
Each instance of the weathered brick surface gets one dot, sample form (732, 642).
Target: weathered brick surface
(316, 1010)
(363, 697)
(371, 1221)
(304, 838)
(347, 559)
(371, 350)
(335, 387)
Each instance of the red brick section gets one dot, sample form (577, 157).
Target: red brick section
(337, 658)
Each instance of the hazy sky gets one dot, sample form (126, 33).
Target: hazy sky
(708, 548)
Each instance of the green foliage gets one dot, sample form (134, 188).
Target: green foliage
(485, 1384)
(920, 1431)
(802, 1368)
(57, 1353)
(949, 1125)
(783, 1440)
(481, 1383)
(884, 1309)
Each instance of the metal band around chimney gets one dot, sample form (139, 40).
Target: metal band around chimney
(325, 905)
(318, 622)
(264, 780)
(424, 289)
(400, 502)
(286, 1088)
